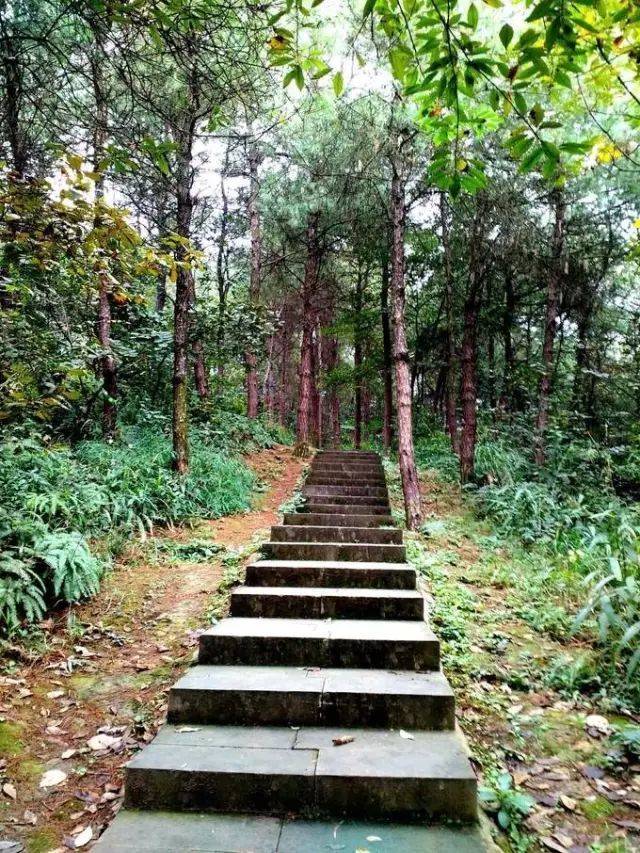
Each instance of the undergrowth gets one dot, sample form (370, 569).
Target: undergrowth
(66, 510)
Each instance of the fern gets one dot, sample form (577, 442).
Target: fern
(73, 570)
(21, 593)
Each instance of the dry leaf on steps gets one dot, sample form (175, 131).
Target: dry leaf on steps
(341, 741)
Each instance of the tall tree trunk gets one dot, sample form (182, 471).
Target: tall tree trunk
(100, 131)
(329, 356)
(469, 355)
(408, 470)
(254, 286)
(387, 357)
(200, 369)
(12, 98)
(221, 268)
(357, 360)
(508, 319)
(551, 313)
(450, 389)
(311, 269)
(184, 296)
(285, 358)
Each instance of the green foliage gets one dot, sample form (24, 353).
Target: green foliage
(509, 805)
(54, 499)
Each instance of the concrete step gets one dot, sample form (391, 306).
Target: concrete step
(346, 507)
(359, 643)
(295, 696)
(347, 454)
(344, 480)
(356, 491)
(334, 551)
(336, 519)
(323, 573)
(338, 533)
(350, 501)
(347, 468)
(184, 832)
(283, 602)
(378, 775)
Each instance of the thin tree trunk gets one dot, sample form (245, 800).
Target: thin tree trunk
(469, 355)
(254, 286)
(508, 319)
(184, 295)
(387, 357)
(551, 313)
(312, 265)
(200, 369)
(357, 361)
(285, 356)
(450, 389)
(408, 470)
(107, 359)
(221, 272)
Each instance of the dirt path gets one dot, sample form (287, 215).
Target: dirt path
(74, 709)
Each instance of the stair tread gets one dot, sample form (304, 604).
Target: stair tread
(177, 832)
(324, 591)
(308, 751)
(332, 564)
(315, 680)
(392, 631)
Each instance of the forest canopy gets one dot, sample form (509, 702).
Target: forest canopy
(412, 226)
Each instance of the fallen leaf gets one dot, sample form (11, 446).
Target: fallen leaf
(84, 837)
(519, 776)
(9, 790)
(406, 735)
(182, 729)
(568, 803)
(341, 741)
(565, 840)
(100, 742)
(52, 778)
(68, 753)
(30, 817)
(55, 694)
(552, 845)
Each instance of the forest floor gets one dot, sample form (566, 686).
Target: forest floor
(76, 706)
(77, 703)
(516, 670)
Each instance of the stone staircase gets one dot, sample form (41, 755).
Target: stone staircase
(317, 717)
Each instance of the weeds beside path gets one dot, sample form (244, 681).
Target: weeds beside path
(540, 721)
(92, 690)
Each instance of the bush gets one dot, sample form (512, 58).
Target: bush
(54, 499)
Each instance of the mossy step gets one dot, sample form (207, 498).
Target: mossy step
(378, 774)
(335, 533)
(282, 602)
(359, 643)
(296, 696)
(332, 573)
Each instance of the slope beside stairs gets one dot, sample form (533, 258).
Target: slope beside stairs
(317, 717)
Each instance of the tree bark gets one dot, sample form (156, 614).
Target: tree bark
(285, 358)
(357, 361)
(551, 313)
(311, 269)
(221, 268)
(254, 285)
(100, 132)
(184, 296)
(450, 387)
(408, 470)
(508, 319)
(469, 355)
(387, 357)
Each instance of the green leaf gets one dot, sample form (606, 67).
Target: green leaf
(473, 17)
(368, 8)
(338, 84)
(298, 77)
(506, 35)
(531, 160)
